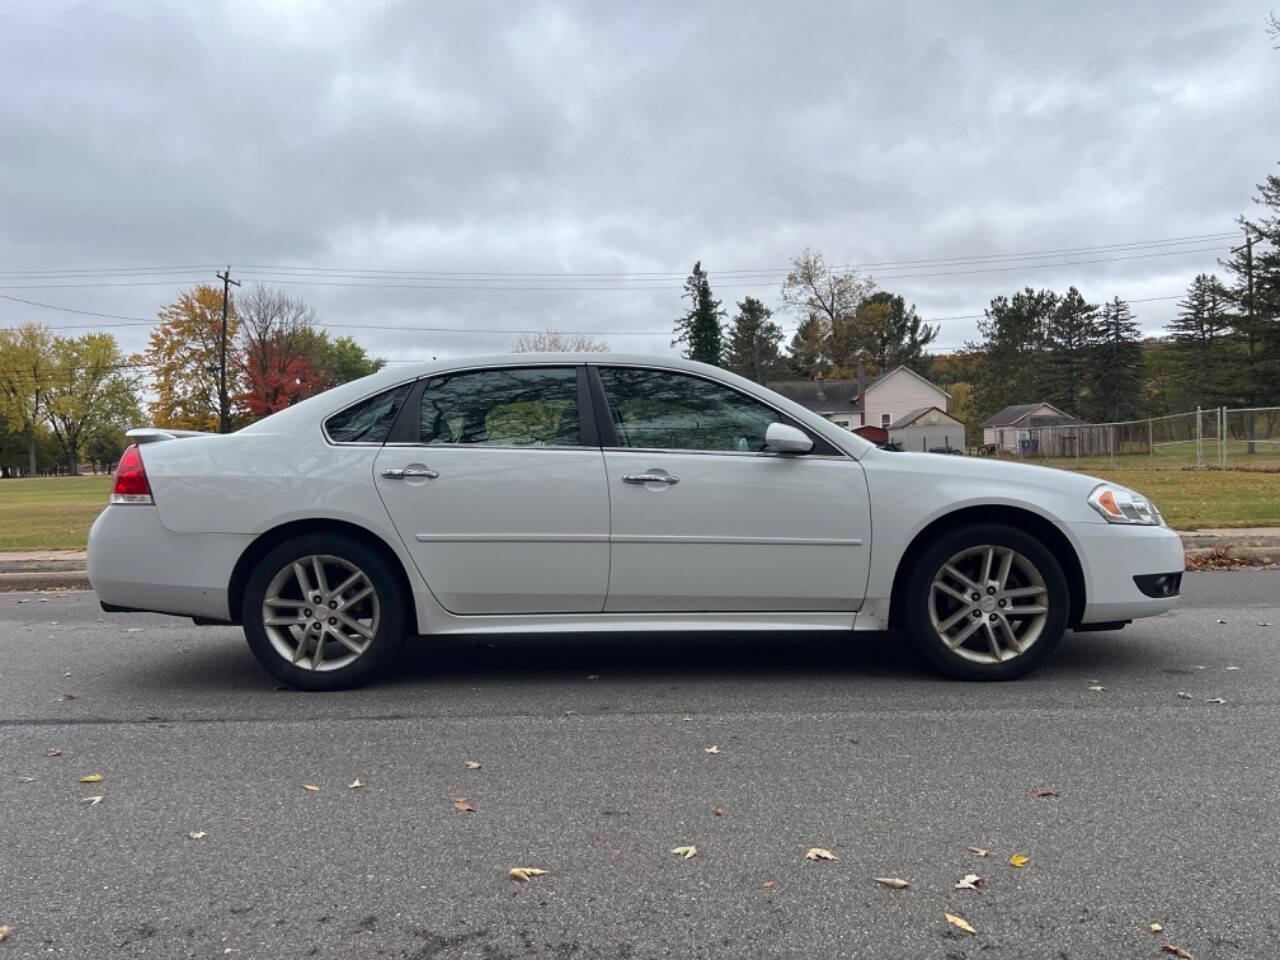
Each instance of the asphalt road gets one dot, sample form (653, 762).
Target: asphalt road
(1166, 812)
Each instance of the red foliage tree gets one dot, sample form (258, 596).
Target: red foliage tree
(276, 379)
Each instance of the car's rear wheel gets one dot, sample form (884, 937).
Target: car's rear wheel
(323, 612)
(986, 602)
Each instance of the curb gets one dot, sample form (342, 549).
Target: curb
(44, 580)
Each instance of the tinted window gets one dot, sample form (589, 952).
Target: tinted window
(671, 411)
(369, 421)
(531, 407)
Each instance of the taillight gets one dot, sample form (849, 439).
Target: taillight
(131, 484)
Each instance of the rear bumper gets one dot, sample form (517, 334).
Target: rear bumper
(1113, 556)
(135, 562)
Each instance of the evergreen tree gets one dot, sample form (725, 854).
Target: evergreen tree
(808, 349)
(752, 350)
(699, 329)
(1072, 333)
(1116, 387)
(892, 333)
(1201, 343)
(1257, 322)
(1013, 337)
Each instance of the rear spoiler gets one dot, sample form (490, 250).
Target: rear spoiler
(156, 434)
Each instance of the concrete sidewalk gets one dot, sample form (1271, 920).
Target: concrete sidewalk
(1226, 547)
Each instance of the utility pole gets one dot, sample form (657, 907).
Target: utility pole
(224, 424)
(1247, 247)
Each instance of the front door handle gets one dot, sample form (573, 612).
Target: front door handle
(650, 478)
(402, 473)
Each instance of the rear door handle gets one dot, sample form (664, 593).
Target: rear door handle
(650, 478)
(402, 473)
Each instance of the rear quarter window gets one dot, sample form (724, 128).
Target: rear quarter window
(368, 421)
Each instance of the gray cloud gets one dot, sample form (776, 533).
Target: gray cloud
(552, 138)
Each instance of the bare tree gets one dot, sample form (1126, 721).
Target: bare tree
(830, 297)
(1273, 29)
(276, 334)
(552, 341)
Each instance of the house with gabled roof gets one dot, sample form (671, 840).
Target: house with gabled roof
(876, 403)
(1014, 426)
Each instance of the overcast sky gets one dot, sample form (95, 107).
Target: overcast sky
(592, 138)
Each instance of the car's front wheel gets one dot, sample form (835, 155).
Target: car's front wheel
(986, 602)
(323, 612)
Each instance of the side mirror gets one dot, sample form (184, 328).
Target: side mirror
(787, 439)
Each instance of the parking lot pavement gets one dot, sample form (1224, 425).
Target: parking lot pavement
(1166, 809)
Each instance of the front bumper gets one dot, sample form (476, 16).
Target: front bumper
(1111, 556)
(136, 562)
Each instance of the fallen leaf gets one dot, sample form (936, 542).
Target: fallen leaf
(524, 873)
(1231, 667)
(893, 883)
(26, 779)
(970, 881)
(686, 719)
(1097, 688)
(1156, 928)
(571, 713)
(473, 765)
(711, 749)
(53, 752)
(979, 852)
(64, 697)
(1215, 700)
(1199, 667)
(134, 630)
(92, 801)
(196, 835)
(593, 676)
(1176, 951)
(1183, 695)
(960, 922)
(6, 932)
(460, 803)
(685, 853)
(67, 674)
(1042, 793)
(718, 812)
(355, 784)
(92, 778)
(310, 788)
(768, 884)
(817, 853)
(1264, 624)
(1222, 621)
(1018, 860)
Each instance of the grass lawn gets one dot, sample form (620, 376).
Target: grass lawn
(57, 511)
(50, 511)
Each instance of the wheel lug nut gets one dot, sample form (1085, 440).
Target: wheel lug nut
(316, 599)
(1000, 602)
(333, 621)
(316, 625)
(976, 597)
(991, 589)
(333, 604)
(977, 613)
(307, 614)
(993, 617)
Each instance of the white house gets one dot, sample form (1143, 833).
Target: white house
(888, 398)
(929, 428)
(1015, 427)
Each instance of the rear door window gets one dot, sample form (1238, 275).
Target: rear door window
(519, 406)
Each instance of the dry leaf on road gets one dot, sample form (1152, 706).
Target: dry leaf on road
(979, 852)
(1215, 700)
(817, 853)
(970, 881)
(960, 922)
(310, 788)
(1156, 928)
(893, 883)
(6, 932)
(92, 778)
(1019, 860)
(460, 803)
(524, 873)
(1097, 687)
(1183, 695)
(196, 835)
(718, 812)
(473, 765)
(768, 884)
(1231, 667)
(1176, 951)
(355, 784)
(711, 749)
(53, 752)
(571, 713)
(1042, 793)
(685, 853)
(593, 676)
(26, 779)
(64, 697)
(92, 801)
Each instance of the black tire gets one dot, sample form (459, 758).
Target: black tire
(918, 596)
(388, 631)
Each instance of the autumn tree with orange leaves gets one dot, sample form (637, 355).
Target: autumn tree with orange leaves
(183, 354)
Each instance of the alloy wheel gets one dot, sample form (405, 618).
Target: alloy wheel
(988, 604)
(321, 612)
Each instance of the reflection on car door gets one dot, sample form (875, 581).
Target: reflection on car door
(706, 518)
(502, 506)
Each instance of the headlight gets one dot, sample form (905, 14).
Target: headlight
(1118, 505)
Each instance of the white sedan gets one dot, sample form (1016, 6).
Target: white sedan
(605, 493)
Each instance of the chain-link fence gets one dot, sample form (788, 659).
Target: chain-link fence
(1247, 438)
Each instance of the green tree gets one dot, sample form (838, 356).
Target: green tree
(1202, 343)
(829, 297)
(26, 375)
(338, 360)
(754, 341)
(699, 328)
(807, 352)
(1013, 333)
(184, 354)
(91, 393)
(893, 334)
(1116, 388)
(1072, 333)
